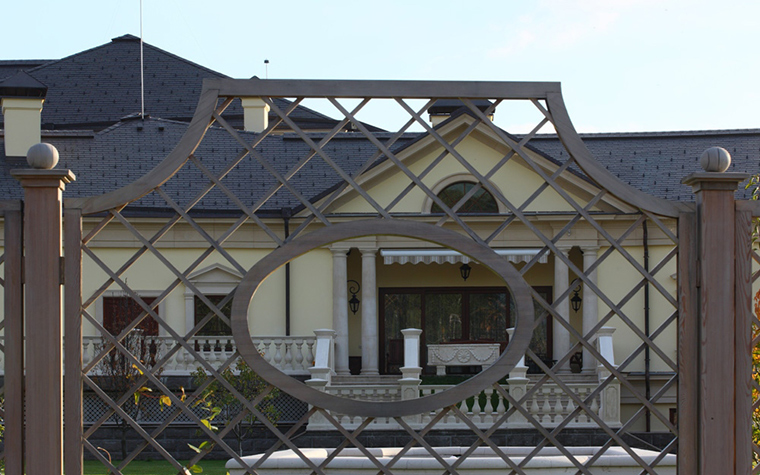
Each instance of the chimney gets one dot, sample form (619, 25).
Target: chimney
(255, 114)
(442, 109)
(22, 98)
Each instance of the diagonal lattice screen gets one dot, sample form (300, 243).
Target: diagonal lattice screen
(163, 257)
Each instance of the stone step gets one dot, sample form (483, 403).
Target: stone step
(374, 380)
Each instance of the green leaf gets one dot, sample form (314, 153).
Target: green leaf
(194, 448)
(196, 469)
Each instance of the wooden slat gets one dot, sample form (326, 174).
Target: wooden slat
(44, 366)
(381, 88)
(577, 149)
(14, 345)
(743, 342)
(688, 345)
(752, 206)
(72, 437)
(717, 333)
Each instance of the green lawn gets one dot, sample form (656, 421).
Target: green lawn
(154, 467)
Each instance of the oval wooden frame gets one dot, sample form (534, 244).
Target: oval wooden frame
(518, 344)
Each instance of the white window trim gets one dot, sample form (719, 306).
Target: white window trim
(427, 203)
(222, 287)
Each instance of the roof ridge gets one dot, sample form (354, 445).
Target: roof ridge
(667, 133)
(127, 38)
(185, 60)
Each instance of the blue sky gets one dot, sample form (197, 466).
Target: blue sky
(625, 65)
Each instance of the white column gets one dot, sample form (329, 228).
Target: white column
(369, 313)
(560, 335)
(590, 307)
(411, 369)
(340, 311)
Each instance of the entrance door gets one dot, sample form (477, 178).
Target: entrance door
(448, 315)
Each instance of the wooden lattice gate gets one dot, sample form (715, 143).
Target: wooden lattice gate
(212, 205)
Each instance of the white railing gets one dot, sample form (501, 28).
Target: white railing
(292, 355)
(549, 405)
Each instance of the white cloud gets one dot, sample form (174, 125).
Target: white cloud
(561, 24)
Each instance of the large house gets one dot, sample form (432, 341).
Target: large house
(365, 289)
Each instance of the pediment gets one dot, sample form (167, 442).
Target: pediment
(215, 273)
(516, 179)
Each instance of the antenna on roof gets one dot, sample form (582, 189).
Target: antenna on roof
(266, 65)
(142, 75)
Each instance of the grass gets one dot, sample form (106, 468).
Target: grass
(154, 467)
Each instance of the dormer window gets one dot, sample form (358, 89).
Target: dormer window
(480, 202)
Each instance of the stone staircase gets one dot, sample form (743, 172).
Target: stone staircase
(365, 380)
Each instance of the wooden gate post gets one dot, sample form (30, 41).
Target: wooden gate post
(42, 279)
(714, 388)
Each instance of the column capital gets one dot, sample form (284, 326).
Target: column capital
(564, 248)
(339, 252)
(36, 178)
(368, 252)
(714, 181)
(589, 247)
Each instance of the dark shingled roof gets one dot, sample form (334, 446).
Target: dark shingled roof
(116, 156)
(22, 85)
(9, 67)
(655, 162)
(95, 88)
(104, 161)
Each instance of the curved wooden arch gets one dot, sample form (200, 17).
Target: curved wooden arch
(213, 89)
(606, 180)
(162, 172)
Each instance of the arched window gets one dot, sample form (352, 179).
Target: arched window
(480, 202)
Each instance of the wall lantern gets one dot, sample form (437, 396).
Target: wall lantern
(464, 271)
(354, 288)
(576, 299)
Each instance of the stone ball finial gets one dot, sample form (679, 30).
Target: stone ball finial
(42, 156)
(715, 159)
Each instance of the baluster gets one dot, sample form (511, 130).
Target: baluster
(86, 357)
(233, 348)
(277, 355)
(534, 405)
(299, 366)
(203, 352)
(488, 408)
(570, 408)
(594, 406)
(266, 350)
(477, 414)
(546, 408)
(310, 352)
(184, 360)
(500, 408)
(288, 362)
(161, 352)
(558, 411)
(463, 408)
(583, 417)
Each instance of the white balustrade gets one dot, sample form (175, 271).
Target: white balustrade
(292, 355)
(549, 405)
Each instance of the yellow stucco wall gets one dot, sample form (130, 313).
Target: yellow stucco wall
(616, 278)
(514, 180)
(311, 304)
